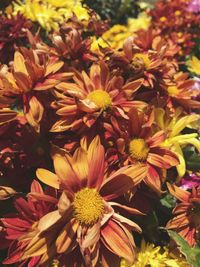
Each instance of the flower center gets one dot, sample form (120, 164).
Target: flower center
(138, 149)
(101, 98)
(195, 213)
(88, 206)
(172, 90)
(143, 58)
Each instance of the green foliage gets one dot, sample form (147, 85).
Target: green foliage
(192, 159)
(117, 11)
(192, 254)
(168, 201)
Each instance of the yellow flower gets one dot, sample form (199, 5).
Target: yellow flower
(50, 13)
(176, 140)
(117, 34)
(140, 23)
(194, 65)
(149, 255)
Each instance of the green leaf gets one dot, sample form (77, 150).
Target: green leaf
(192, 159)
(168, 201)
(192, 254)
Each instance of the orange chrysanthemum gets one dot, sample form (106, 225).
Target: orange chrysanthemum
(86, 220)
(186, 219)
(30, 72)
(95, 96)
(138, 145)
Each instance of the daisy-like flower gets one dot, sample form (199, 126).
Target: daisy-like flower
(49, 13)
(95, 95)
(194, 65)
(151, 255)
(70, 44)
(29, 73)
(174, 19)
(186, 219)
(118, 33)
(173, 124)
(180, 91)
(137, 145)
(23, 223)
(148, 65)
(88, 220)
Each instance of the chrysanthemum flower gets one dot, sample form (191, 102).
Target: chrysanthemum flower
(175, 20)
(186, 214)
(194, 65)
(49, 14)
(151, 255)
(137, 144)
(117, 34)
(12, 33)
(70, 45)
(88, 220)
(95, 95)
(19, 228)
(173, 124)
(180, 91)
(30, 73)
(149, 65)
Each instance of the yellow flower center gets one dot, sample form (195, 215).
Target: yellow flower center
(88, 206)
(143, 58)
(172, 90)
(163, 19)
(177, 13)
(138, 149)
(101, 98)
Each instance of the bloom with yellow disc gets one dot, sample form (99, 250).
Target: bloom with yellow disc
(93, 96)
(186, 220)
(138, 145)
(88, 218)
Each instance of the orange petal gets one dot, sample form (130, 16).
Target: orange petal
(67, 236)
(96, 163)
(153, 180)
(179, 193)
(156, 139)
(48, 178)
(122, 181)
(116, 240)
(63, 165)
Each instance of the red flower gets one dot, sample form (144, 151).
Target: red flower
(18, 229)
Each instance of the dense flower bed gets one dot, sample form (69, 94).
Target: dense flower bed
(99, 127)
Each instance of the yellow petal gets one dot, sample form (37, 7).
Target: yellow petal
(48, 178)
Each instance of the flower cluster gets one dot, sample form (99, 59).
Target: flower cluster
(99, 145)
(176, 20)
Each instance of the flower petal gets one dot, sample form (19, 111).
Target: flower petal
(48, 178)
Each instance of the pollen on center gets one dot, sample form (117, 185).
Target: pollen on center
(143, 58)
(88, 206)
(101, 98)
(138, 149)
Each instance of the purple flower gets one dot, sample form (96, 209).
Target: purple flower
(194, 6)
(189, 181)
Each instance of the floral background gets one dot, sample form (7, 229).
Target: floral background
(99, 133)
